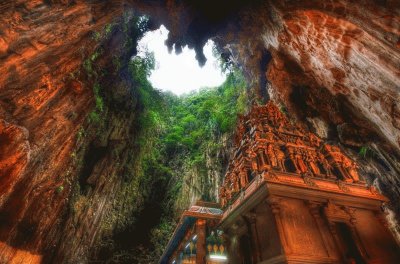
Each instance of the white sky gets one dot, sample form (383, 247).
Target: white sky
(180, 73)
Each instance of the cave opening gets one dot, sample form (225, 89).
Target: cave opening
(183, 113)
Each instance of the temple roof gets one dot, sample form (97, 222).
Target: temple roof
(267, 141)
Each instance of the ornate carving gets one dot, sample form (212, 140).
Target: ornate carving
(342, 186)
(270, 176)
(243, 179)
(274, 204)
(266, 140)
(340, 213)
(308, 180)
(315, 208)
(373, 189)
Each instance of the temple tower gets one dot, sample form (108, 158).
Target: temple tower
(288, 197)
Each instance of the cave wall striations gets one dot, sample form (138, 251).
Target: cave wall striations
(202, 182)
(333, 64)
(61, 184)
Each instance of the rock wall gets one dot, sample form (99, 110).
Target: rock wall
(334, 63)
(40, 113)
(202, 182)
(68, 165)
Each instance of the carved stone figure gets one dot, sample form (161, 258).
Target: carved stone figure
(280, 155)
(346, 164)
(271, 156)
(298, 161)
(313, 164)
(243, 179)
(261, 163)
(270, 136)
(260, 127)
(228, 195)
(351, 169)
(314, 140)
(236, 186)
(325, 164)
(299, 142)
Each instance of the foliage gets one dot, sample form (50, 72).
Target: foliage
(104, 33)
(176, 131)
(168, 132)
(366, 151)
(98, 99)
(81, 134)
(59, 189)
(94, 117)
(198, 118)
(172, 132)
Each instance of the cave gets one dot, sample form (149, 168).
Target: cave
(95, 169)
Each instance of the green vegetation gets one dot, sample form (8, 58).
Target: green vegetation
(151, 141)
(366, 151)
(104, 33)
(60, 189)
(178, 133)
(201, 117)
(363, 151)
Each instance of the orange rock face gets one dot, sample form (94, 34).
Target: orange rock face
(348, 50)
(15, 152)
(41, 110)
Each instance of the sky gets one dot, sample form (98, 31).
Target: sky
(180, 73)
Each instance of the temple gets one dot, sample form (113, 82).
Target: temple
(287, 197)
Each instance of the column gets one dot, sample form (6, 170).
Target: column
(251, 219)
(357, 239)
(315, 208)
(201, 241)
(339, 246)
(273, 203)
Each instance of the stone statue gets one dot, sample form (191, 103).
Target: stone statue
(271, 156)
(280, 156)
(270, 136)
(325, 164)
(236, 186)
(314, 140)
(312, 162)
(351, 169)
(243, 179)
(301, 166)
(299, 142)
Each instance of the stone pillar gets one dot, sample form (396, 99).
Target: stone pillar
(356, 236)
(273, 203)
(315, 208)
(201, 241)
(251, 219)
(339, 246)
